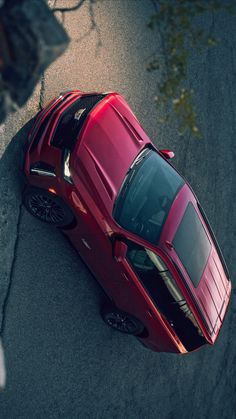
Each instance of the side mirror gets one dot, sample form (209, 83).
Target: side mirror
(168, 154)
(120, 250)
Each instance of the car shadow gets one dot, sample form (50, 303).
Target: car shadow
(11, 186)
(19, 230)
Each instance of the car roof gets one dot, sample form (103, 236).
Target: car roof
(209, 288)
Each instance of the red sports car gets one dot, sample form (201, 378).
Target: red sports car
(92, 171)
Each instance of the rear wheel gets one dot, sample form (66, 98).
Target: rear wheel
(121, 321)
(47, 207)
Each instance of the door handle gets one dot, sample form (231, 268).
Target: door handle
(125, 277)
(86, 244)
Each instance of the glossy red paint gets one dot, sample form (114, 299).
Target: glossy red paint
(168, 154)
(109, 141)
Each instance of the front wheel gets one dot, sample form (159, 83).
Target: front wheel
(121, 321)
(47, 207)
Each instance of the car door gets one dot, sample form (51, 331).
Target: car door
(133, 264)
(155, 281)
(91, 237)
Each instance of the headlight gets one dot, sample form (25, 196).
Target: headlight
(66, 167)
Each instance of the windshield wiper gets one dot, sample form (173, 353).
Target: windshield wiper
(139, 158)
(130, 175)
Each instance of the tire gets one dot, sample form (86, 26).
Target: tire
(121, 321)
(47, 207)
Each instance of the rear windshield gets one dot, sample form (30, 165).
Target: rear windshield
(147, 195)
(192, 244)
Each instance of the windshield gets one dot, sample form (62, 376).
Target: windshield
(146, 195)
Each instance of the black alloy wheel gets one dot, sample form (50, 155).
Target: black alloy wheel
(47, 207)
(121, 321)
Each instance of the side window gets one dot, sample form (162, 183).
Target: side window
(165, 293)
(145, 260)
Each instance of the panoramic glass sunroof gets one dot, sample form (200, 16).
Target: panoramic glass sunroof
(192, 245)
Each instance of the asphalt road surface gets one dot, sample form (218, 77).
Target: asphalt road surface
(62, 361)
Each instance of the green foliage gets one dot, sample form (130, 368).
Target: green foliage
(179, 34)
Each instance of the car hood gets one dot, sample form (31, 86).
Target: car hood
(109, 142)
(212, 292)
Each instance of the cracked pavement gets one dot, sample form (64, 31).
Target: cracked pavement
(62, 361)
